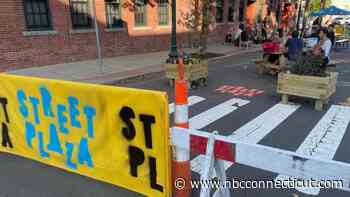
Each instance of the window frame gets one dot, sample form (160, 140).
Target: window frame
(145, 14)
(241, 11)
(73, 14)
(48, 15)
(161, 12)
(109, 15)
(231, 7)
(221, 8)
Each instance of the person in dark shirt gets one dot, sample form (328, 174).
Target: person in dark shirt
(294, 46)
(331, 34)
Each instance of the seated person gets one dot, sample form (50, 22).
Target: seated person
(271, 49)
(325, 44)
(237, 36)
(294, 46)
(331, 34)
(229, 36)
(233, 36)
(315, 62)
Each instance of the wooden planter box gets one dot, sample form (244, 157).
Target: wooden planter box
(194, 73)
(319, 88)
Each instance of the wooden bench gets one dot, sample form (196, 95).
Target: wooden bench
(264, 66)
(343, 43)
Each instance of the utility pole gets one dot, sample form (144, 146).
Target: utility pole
(236, 12)
(173, 55)
(98, 40)
(245, 4)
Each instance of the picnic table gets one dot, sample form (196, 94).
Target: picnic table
(264, 66)
(342, 43)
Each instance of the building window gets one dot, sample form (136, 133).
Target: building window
(113, 14)
(241, 10)
(231, 10)
(219, 11)
(79, 10)
(37, 15)
(163, 12)
(140, 13)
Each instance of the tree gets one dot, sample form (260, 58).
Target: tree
(198, 20)
(206, 21)
(191, 21)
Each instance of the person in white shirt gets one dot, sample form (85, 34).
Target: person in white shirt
(326, 44)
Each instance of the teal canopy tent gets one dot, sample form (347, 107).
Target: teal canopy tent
(332, 10)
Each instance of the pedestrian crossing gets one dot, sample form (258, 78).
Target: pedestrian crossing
(324, 139)
(322, 142)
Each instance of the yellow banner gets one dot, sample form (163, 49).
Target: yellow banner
(116, 135)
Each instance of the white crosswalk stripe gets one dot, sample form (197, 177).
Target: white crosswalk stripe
(256, 129)
(192, 100)
(219, 111)
(324, 139)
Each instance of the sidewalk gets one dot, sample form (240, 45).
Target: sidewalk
(118, 68)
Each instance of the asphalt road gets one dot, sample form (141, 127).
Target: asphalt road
(24, 178)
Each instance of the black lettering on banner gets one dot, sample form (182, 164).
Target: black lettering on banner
(3, 102)
(147, 120)
(6, 141)
(126, 113)
(137, 155)
(153, 174)
(5, 136)
(136, 158)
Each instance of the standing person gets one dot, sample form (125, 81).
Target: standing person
(244, 34)
(294, 47)
(259, 36)
(281, 37)
(264, 31)
(237, 36)
(331, 34)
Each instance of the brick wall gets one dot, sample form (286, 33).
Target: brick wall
(19, 51)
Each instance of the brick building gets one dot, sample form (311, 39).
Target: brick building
(43, 32)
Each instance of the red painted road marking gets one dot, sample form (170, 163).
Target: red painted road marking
(239, 90)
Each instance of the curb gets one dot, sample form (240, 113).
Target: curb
(142, 73)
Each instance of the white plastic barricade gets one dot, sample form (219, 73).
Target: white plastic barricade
(218, 148)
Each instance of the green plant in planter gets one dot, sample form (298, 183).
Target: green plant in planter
(191, 58)
(309, 64)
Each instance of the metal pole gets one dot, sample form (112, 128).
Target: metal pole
(98, 40)
(306, 15)
(299, 14)
(323, 5)
(173, 55)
